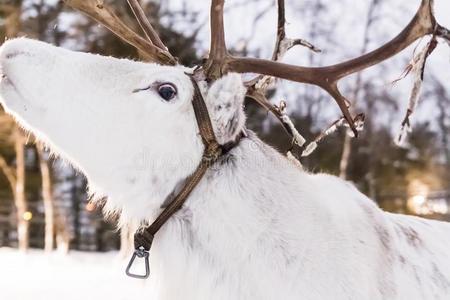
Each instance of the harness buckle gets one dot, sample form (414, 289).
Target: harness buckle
(139, 253)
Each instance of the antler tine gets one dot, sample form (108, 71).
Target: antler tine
(147, 28)
(218, 54)
(281, 29)
(261, 99)
(423, 23)
(281, 35)
(443, 32)
(282, 45)
(257, 87)
(98, 11)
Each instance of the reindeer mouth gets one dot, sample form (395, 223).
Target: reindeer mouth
(6, 81)
(11, 95)
(7, 84)
(6, 58)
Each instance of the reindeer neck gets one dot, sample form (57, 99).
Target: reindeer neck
(239, 202)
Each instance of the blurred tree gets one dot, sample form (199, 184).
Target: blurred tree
(347, 147)
(47, 196)
(443, 104)
(12, 19)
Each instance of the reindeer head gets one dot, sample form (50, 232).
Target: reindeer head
(129, 126)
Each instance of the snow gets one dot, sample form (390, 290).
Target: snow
(79, 275)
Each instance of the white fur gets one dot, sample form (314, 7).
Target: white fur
(225, 99)
(256, 227)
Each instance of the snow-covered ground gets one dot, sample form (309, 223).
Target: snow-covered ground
(78, 275)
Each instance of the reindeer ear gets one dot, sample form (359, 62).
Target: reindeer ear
(225, 100)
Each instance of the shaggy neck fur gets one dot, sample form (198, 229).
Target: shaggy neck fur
(230, 223)
(274, 234)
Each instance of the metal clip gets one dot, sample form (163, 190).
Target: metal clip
(140, 253)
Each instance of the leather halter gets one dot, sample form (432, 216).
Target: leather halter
(213, 150)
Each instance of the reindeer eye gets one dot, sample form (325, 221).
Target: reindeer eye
(167, 91)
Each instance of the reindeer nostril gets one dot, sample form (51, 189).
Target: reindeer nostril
(15, 54)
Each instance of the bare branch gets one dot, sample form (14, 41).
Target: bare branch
(9, 173)
(105, 16)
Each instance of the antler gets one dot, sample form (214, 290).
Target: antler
(422, 24)
(152, 47)
(216, 62)
(443, 33)
(150, 33)
(258, 86)
(220, 61)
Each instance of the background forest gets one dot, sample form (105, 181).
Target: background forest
(43, 203)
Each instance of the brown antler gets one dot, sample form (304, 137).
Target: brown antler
(443, 33)
(282, 45)
(150, 33)
(152, 48)
(220, 61)
(218, 55)
(423, 23)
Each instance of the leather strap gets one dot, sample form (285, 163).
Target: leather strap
(213, 150)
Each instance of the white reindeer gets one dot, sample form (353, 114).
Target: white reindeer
(256, 226)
